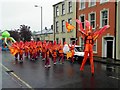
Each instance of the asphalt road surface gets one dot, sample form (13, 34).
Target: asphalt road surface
(33, 74)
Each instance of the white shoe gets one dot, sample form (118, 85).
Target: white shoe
(45, 66)
(43, 59)
(49, 65)
(55, 63)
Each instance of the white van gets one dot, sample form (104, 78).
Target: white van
(79, 54)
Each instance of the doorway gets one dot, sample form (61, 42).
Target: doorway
(109, 49)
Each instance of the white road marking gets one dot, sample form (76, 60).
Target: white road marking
(114, 77)
(18, 77)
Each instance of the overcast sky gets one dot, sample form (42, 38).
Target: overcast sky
(14, 13)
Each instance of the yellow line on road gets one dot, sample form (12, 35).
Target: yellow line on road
(17, 77)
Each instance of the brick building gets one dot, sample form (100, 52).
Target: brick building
(98, 13)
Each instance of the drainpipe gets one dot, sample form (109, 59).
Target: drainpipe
(54, 21)
(115, 29)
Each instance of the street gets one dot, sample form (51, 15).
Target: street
(33, 74)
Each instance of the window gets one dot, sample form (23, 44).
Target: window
(63, 9)
(104, 18)
(56, 26)
(57, 11)
(63, 39)
(70, 20)
(92, 20)
(103, 1)
(63, 25)
(57, 40)
(95, 47)
(82, 4)
(82, 19)
(92, 2)
(70, 6)
(82, 43)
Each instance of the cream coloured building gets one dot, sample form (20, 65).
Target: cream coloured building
(118, 32)
(62, 12)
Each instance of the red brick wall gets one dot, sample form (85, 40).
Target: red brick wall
(97, 9)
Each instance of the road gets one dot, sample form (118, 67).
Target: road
(33, 74)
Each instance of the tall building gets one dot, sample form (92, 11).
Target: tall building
(98, 13)
(62, 12)
(118, 32)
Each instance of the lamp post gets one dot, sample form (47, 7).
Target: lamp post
(41, 17)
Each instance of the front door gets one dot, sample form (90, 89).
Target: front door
(109, 49)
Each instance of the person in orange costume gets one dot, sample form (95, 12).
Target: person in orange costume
(47, 61)
(88, 49)
(54, 55)
(89, 38)
(72, 51)
(61, 54)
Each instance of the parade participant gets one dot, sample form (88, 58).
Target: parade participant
(21, 48)
(61, 54)
(72, 52)
(43, 53)
(47, 61)
(26, 49)
(54, 55)
(89, 38)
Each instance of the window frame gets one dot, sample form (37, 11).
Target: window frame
(63, 9)
(90, 3)
(90, 18)
(84, 19)
(69, 7)
(57, 26)
(101, 17)
(63, 26)
(57, 11)
(81, 5)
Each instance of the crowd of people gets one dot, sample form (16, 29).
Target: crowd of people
(34, 49)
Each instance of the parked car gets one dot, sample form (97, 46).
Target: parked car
(79, 54)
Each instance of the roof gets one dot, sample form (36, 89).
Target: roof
(44, 31)
(58, 3)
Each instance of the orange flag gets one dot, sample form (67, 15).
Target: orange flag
(69, 27)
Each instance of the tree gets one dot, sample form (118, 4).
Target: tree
(25, 33)
(15, 34)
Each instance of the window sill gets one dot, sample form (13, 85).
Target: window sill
(57, 33)
(104, 2)
(92, 6)
(62, 32)
(70, 12)
(63, 15)
(81, 8)
(95, 52)
(56, 16)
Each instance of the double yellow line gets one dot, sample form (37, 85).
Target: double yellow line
(17, 77)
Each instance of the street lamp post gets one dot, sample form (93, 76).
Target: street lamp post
(41, 17)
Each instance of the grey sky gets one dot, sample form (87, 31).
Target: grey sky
(17, 12)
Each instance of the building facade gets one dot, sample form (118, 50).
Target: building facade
(118, 32)
(47, 34)
(99, 14)
(62, 12)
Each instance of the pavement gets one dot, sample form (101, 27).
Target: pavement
(107, 61)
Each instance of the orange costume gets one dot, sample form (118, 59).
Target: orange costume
(47, 61)
(61, 54)
(54, 55)
(89, 38)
